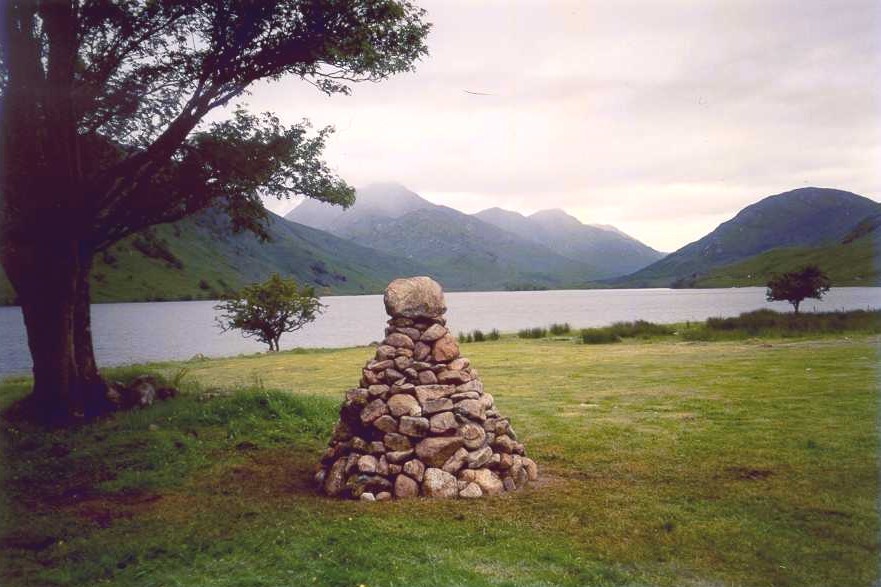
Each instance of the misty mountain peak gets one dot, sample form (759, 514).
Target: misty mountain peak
(385, 199)
(496, 211)
(555, 217)
(388, 195)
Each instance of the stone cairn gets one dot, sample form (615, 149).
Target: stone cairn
(420, 422)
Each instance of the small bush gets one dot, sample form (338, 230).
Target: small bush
(621, 330)
(478, 335)
(599, 336)
(537, 332)
(769, 322)
(640, 328)
(558, 329)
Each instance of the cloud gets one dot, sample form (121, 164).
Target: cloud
(658, 115)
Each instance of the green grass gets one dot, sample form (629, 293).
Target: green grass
(847, 264)
(662, 463)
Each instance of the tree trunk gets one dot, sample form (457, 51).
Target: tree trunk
(796, 304)
(91, 385)
(51, 280)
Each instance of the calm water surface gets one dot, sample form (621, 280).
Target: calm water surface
(134, 333)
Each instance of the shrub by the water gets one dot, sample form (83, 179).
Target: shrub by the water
(598, 336)
(558, 329)
(537, 332)
(772, 323)
(477, 335)
(640, 328)
(619, 330)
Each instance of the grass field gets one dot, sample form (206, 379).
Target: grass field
(662, 463)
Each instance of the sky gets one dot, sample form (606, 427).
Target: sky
(660, 117)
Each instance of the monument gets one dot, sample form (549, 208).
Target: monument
(420, 422)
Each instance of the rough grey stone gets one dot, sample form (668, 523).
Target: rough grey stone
(435, 451)
(434, 406)
(445, 349)
(414, 297)
(439, 483)
(479, 458)
(405, 487)
(415, 469)
(412, 426)
(396, 442)
(442, 423)
(471, 491)
(429, 392)
(471, 408)
(402, 404)
(433, 332)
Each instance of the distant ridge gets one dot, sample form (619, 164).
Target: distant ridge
(553, 248)
(609, 250)
(461, 251)
(804, 217)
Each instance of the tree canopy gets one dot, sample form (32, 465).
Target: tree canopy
(267, 310)
(118, 91)
(103, 133)
(796, 286)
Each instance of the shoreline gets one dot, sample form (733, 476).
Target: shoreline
(610, 289)
(506, 338)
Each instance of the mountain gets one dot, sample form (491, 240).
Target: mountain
(604, 247)
(856, 260)
(465, 253)
(198, 258)
(392, 231)
(374, 203)
(805, 217)
(554, 248)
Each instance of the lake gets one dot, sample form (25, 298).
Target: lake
(135, 333)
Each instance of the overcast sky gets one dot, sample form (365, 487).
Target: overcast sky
(661, 117)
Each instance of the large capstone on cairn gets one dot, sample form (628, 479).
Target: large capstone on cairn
(420, 423)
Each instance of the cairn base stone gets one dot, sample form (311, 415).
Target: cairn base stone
(420, 422)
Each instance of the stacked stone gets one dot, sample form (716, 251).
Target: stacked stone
(420, 423)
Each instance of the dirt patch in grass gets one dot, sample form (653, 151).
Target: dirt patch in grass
(749, 474)
(275, 473)
(27, 542)
(103, 509)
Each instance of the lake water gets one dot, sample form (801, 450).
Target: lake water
(134, 333)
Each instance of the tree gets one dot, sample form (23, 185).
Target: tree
(101, 135)
(269, 309)
(795, 286)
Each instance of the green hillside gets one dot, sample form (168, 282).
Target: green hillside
(198, 258)
(802, 218)
(854, 261)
